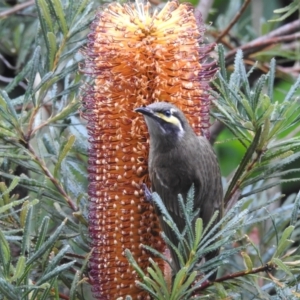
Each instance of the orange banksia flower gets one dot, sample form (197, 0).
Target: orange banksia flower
(136, 56)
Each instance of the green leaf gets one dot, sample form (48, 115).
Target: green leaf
(45, 14)
(178, 281)
(56, 260)
(184, 287)
(47, 245)
(282, 266)
(198, 233)
(52, 49)
(32, 76)
(220, 290)
(27, 231)
(74, 286)
(8, 290)
(155, 287)
(289, 10)
(242, 166)
(42, 233)
(19, 268)
(59, 269)
(5, 101)
(66, 112)
(24, 212)
(5, 255)
(10, 205)
(158, 276)
(247, 261)
(59, 12)
(294, 215)
(284, 241)
(63, 154)
(132, 261)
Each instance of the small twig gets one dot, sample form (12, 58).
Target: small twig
(8, 80)
(16, 8)
(282, 34)
(265, 268)
(259, 44)
(5, 61)
(235, 19)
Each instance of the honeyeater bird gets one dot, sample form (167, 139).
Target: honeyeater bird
(178, 158)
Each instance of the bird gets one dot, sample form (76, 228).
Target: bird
(178, 159)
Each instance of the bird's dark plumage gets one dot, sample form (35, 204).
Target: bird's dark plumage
(179, 158)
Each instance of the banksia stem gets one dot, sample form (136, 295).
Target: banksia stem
(136, 57)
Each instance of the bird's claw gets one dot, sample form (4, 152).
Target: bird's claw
(147, 193)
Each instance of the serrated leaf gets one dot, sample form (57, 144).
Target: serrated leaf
(5, 256)
(145, 287)
(52, 49)
(19, 268)
(134, 264)
(154, 285)
(187, 283)
(294, 215)
(56, 260)
(158, 275)
(45, 12)
(27, 231)
(75, 282)
(59, 12)
(8, 290)
(264, 135)
(69, 109)
(248, 109)
(10, 205)
(63, 153)
(32, 76)
(42, 233)
(198, 232)
(59, 269)
(47, 245)
(6, 101)
(24, 212)
(179, 279)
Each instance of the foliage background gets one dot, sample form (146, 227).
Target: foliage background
(43, 143)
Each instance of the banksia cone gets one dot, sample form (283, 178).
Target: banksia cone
(135, 57)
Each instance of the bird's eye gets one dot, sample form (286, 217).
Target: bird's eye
(167, 113)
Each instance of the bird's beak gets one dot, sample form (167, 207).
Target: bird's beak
(145, 111)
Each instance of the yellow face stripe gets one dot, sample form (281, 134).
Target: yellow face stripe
(173, 120)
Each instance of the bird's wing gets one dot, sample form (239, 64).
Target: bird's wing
(210, 194)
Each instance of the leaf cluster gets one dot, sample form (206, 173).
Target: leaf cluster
(43, 155)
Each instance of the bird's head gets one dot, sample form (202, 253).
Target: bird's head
(165, 121)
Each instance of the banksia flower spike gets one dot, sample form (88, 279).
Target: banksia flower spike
(136, 56)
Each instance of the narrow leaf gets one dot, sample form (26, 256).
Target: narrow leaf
(52, 49)
(248, 155)
(19, 268)
(5, 255)
(284, 241)
(60, 16)
(63, 154)
(282, 266)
